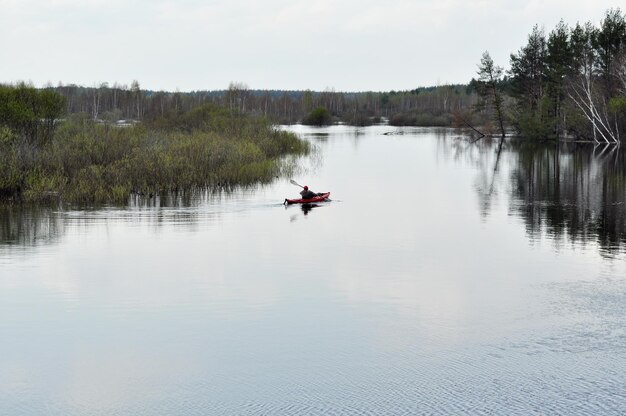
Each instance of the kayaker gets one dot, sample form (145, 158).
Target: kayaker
(306, 193)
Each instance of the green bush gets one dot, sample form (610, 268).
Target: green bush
(30, 113)
(318, 117)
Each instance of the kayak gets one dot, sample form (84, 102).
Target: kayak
(318, 198)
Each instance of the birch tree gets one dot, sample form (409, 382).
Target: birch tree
(583, 88)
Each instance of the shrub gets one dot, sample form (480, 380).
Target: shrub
(318, 117)
(30, 113)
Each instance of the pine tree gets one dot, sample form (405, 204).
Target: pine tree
(528, 75)
(489, 79)
(558, 64)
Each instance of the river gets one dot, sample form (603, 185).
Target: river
(443, 278)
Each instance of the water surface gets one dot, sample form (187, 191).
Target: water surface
(443, 278)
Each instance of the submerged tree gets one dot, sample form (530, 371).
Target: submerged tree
(489, 80)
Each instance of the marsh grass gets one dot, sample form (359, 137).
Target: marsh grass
(94, 163)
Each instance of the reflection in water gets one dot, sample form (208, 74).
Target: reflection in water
(28, 226)
(321, 137)
(182, 199)
(306, 208)
(567, 190)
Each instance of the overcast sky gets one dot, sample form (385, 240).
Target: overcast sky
(348, 45)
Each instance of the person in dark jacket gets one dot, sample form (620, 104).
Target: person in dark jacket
(306, 193)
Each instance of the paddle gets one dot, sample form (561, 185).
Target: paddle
(295, 183)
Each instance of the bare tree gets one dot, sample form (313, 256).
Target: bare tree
(236, 96)
(135, 89)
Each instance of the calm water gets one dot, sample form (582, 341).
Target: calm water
(441, 279)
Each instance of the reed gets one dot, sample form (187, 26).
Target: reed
(89, 162)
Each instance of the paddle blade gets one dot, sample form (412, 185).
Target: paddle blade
(295, 183)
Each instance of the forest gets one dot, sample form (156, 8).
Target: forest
(420, 106)
(569, 83)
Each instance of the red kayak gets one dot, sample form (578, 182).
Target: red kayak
(319, 198)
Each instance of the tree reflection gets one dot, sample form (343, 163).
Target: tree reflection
(571, 190)
(28, 226)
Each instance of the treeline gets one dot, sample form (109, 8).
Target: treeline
(420, 106)
(569, 83)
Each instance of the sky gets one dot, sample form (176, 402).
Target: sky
(345, 45)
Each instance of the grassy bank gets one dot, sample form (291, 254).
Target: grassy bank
(90, 162)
